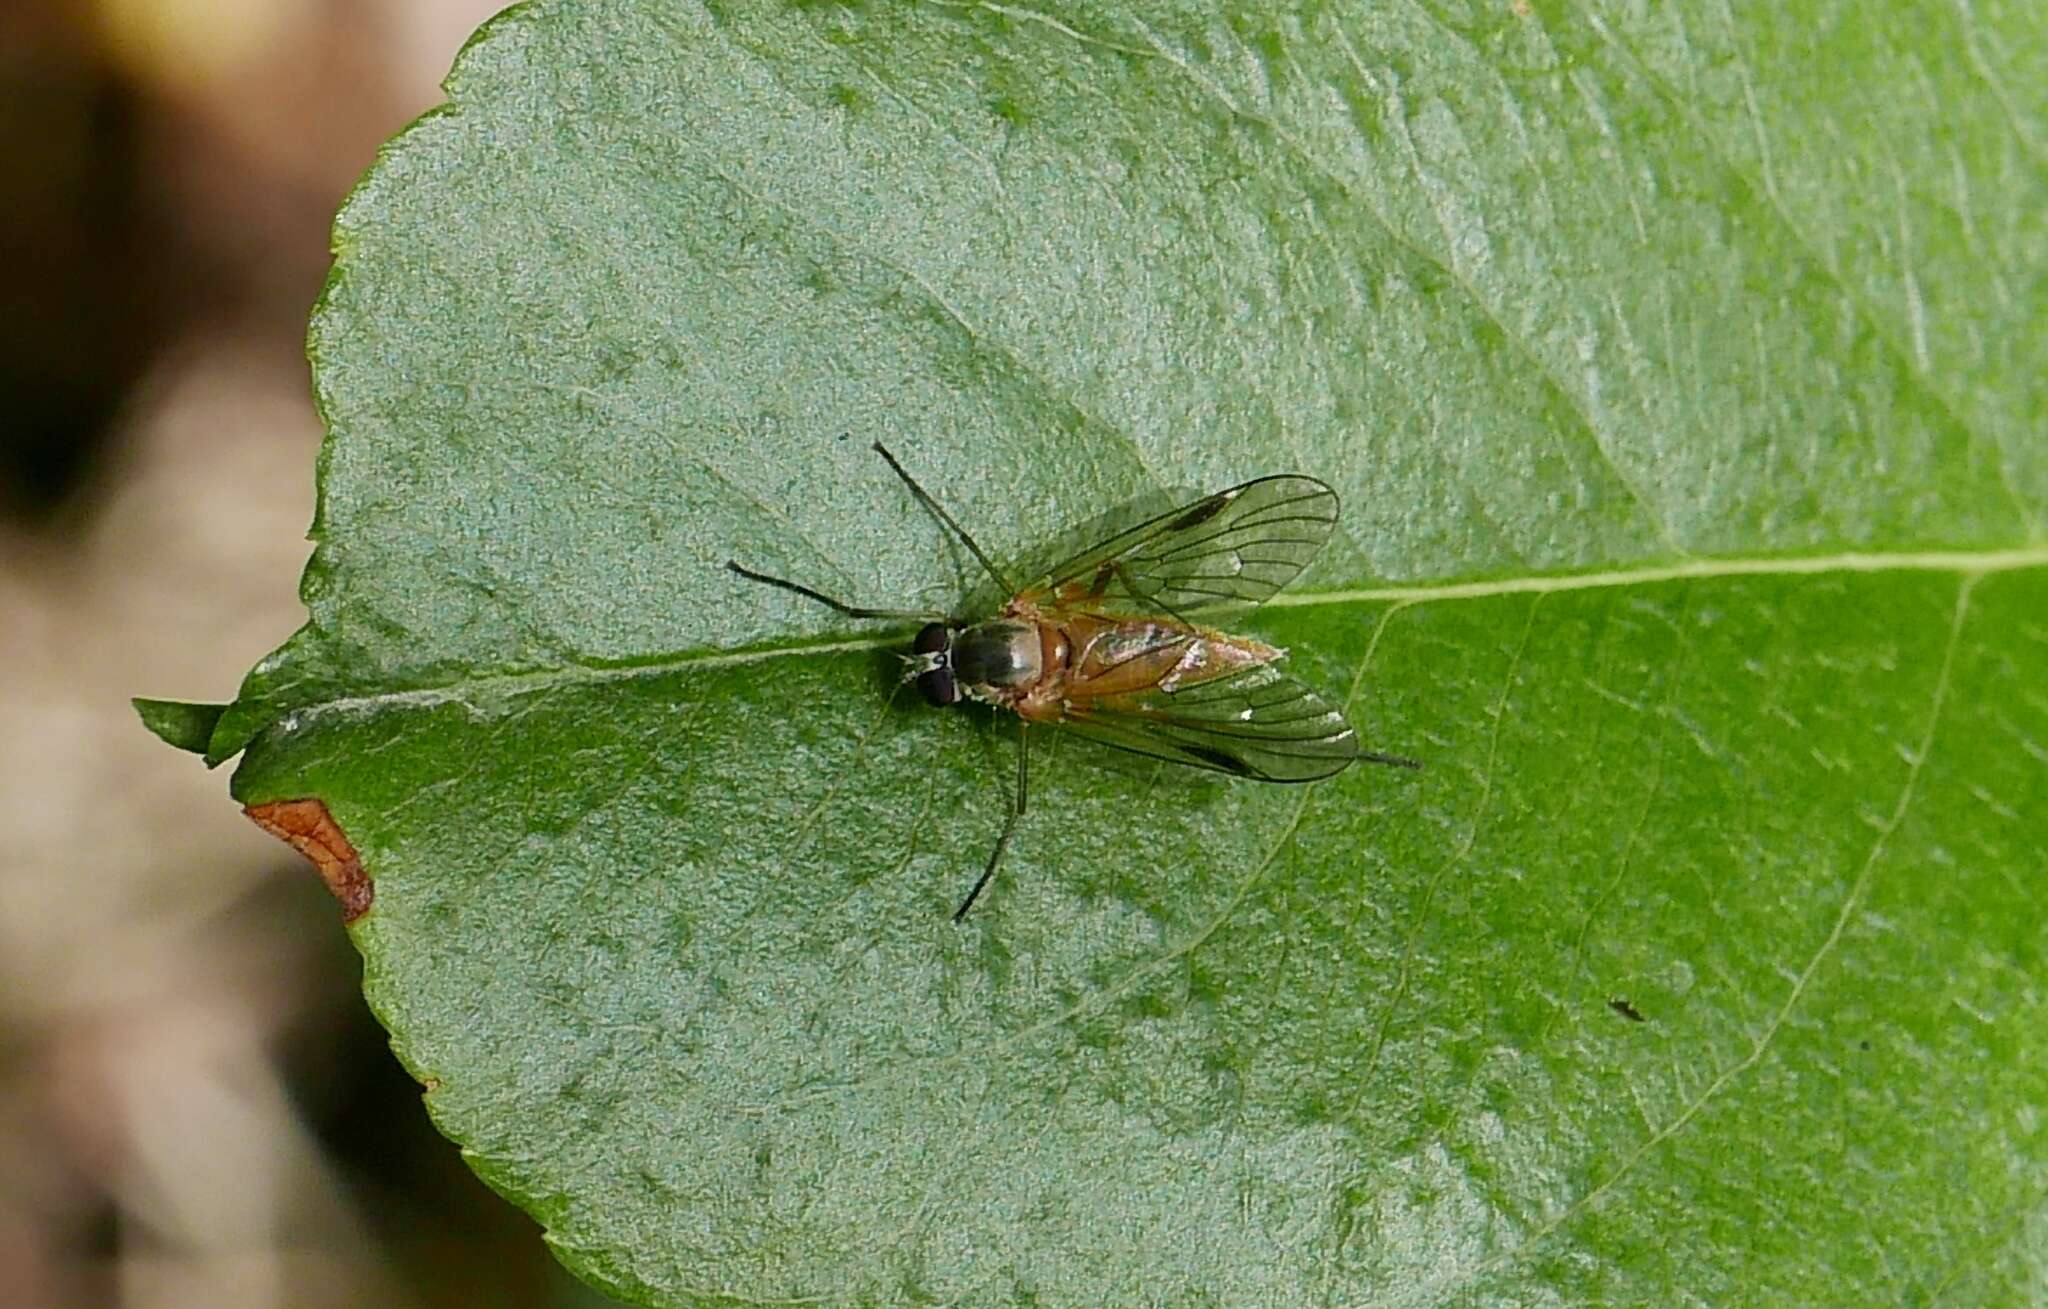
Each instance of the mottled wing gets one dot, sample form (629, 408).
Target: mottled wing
(1258, 723)
(1223, 554)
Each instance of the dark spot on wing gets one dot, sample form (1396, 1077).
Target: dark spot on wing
(1103, 573)
(1199, 512)
(1221, 760)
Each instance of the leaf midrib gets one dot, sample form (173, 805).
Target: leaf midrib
(1963, 563)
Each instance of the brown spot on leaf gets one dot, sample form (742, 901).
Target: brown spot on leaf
(306, 826)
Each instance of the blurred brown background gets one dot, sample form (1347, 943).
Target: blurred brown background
(195, 1109)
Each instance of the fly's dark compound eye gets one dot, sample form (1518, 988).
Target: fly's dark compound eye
(936, 685)
(932, 653)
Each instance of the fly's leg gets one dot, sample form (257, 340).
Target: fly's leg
(1009, 826)
(851, 611)
(939, 512)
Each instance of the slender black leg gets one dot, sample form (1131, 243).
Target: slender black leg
(1016, 811)
(939, 511)
(851, 611)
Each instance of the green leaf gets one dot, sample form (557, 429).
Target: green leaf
(1681, 376)
(177, 723)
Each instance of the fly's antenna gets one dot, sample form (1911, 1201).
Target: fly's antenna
(912, 669)
(851, 611)
(939, 511)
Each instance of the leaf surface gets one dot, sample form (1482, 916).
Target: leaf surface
(1680, 378)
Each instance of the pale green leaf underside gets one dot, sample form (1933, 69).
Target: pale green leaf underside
(1680, 376)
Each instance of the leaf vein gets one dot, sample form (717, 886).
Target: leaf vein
(509, 683)
(1760, 1044)
(1458, 856)
(1912, 364)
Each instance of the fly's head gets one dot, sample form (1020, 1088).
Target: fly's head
(931, 665)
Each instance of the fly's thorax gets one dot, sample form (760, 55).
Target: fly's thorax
(1004, 654)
